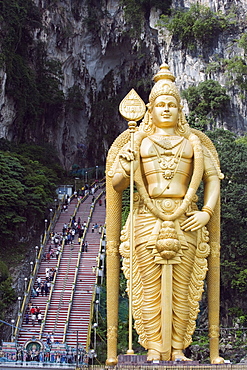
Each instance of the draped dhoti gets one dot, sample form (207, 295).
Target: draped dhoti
(188, 273)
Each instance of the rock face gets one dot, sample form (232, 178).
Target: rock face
(102, 60)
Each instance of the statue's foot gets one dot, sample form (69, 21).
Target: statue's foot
(153, 355)
(217, 360)
(177, 355)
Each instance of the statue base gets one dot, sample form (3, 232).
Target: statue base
(141, 360)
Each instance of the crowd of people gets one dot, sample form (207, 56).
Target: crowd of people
(33, 313)
(96, 227)
(71, 232)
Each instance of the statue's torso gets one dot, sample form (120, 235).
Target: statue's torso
(167, 164)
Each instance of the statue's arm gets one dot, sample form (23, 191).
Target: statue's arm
(211, 191)
(121, 177)
(198, 219)
(120, 180)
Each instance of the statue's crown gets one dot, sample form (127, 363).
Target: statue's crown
(164, 84)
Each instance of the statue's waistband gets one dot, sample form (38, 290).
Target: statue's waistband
(166, 205)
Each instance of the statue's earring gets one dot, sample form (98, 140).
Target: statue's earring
(182, 123)
(148, 124)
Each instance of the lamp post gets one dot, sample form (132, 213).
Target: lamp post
(31, 267)
(92, 354)
(12, 330)
(46, 224)
(36, 251)
(97, 310)
(77, 344)
(25, 284)
(102, 258)
(86, 177)
(76, 178)
(19, 303)
(95, 325)
(96, 173)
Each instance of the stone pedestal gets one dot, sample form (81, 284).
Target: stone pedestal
(141, 360)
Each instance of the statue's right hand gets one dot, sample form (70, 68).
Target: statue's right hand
(125, 158)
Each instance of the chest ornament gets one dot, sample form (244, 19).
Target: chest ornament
(169, 160)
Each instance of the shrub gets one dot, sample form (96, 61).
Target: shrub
(197, 24)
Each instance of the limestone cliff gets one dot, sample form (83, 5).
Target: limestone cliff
(102, 59)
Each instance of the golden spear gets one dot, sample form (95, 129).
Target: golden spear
(132, 108)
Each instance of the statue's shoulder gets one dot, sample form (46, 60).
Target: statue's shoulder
(209, 150)
(207, 144)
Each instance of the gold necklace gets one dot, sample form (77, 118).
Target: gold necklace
(194, 183)
(165, 141)
(168, 162)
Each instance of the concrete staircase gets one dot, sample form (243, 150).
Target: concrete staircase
(69, 320)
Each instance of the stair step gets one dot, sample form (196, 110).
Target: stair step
(61, 294)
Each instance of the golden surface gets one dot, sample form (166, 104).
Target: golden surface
(175, 244)
(132, 106)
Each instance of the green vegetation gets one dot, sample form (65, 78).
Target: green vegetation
(7, 293)
(29, 175)
(198, 24)
(75, 98)
(7, 296)
(28, 178)
(233, 158)
(93, 16)
(242, 43)
(206, 101)
(33, 81)
(235, 71)
(136, 11)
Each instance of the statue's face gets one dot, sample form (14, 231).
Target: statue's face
(165, 111)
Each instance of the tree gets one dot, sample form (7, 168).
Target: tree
(233, 158)
(27, 188)
(206, 102)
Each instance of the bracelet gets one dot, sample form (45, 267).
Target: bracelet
(208, 210)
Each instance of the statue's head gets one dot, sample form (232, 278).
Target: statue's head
(164, 85)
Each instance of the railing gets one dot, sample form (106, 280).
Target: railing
(50, 293)
(73, 286)
(79, 201)
(99, 260)
(78, 264)
(33, 275)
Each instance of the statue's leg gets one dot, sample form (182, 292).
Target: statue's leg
(181, 279)
(151, 312)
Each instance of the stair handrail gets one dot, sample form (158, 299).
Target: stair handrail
(78, 264)
(73, 286)
(51, 291)
(79, 201)
(94, 294)
(33, 274)
(53, 283)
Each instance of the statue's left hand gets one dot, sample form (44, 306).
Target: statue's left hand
(196, 220)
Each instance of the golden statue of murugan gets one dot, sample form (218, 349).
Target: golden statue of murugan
(173, 247)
